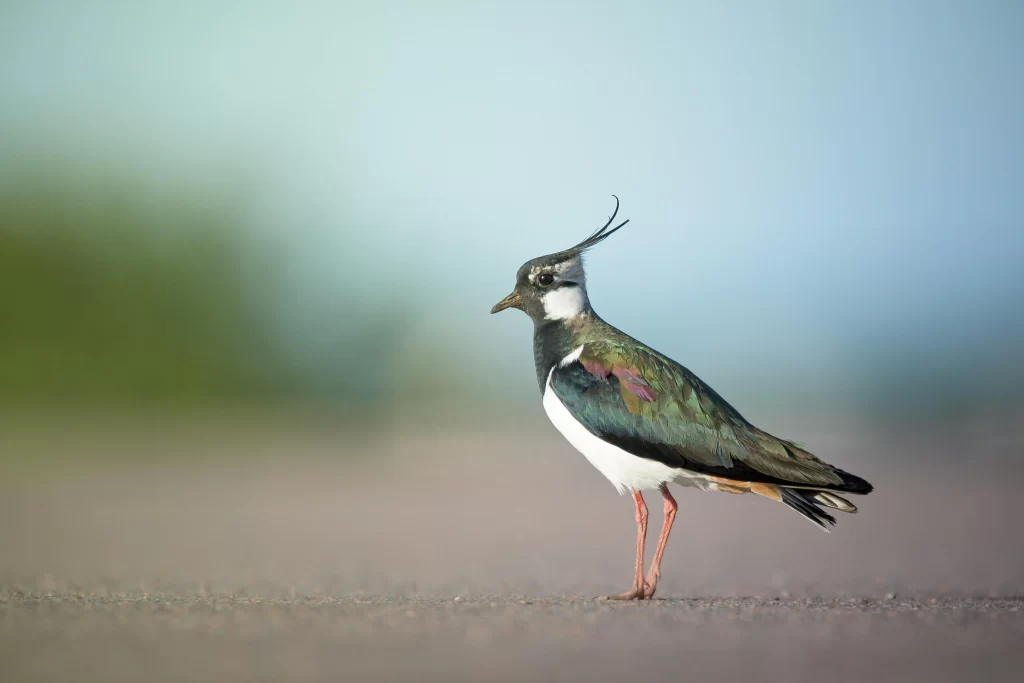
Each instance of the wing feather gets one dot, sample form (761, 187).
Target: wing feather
(653, 407)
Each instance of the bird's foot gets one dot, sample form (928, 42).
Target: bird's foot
(634, 593)
(650, 585)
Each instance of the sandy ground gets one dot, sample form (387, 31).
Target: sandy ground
(315, 555)
(172, 637)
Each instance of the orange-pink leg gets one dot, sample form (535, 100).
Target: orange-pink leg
(666, 528)
(637, 592)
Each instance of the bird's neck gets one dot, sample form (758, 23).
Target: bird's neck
(553, 340)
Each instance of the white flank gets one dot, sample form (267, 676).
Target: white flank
(572, 357)
(564, 303)
(624, 470)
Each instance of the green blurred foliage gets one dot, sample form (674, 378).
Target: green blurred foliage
(116, 293)
(110, 293)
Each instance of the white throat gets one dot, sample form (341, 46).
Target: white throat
(565, 302)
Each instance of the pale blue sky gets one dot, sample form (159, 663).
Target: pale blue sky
(805, 180)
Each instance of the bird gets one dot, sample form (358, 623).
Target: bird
(644, 421)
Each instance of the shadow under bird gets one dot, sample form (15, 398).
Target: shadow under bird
(644, 420)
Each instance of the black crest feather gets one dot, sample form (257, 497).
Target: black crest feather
(595, 237)
(601, 233)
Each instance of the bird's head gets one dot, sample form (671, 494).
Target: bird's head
(554, 287)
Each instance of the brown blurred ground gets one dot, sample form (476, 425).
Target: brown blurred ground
(263, 551)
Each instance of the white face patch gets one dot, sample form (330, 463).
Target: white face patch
(571, 270)
(566, 270)
(564, 302)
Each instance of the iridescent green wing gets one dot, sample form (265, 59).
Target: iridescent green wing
(649, 405)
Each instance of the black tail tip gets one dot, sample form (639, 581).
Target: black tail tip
(854, 484)
(803, 502)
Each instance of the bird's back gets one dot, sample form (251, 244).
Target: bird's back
(649, 405)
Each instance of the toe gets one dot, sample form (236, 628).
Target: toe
(633, 594)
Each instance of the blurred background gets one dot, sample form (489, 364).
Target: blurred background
(247, 254)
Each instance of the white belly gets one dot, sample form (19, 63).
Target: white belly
(624, 470)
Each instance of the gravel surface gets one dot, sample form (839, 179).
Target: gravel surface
(203, 637)
(308, 556)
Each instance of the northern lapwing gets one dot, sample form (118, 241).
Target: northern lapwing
(644, 420)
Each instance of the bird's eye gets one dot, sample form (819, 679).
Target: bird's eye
(545, 279)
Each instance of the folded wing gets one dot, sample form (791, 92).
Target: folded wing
(649, 405)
